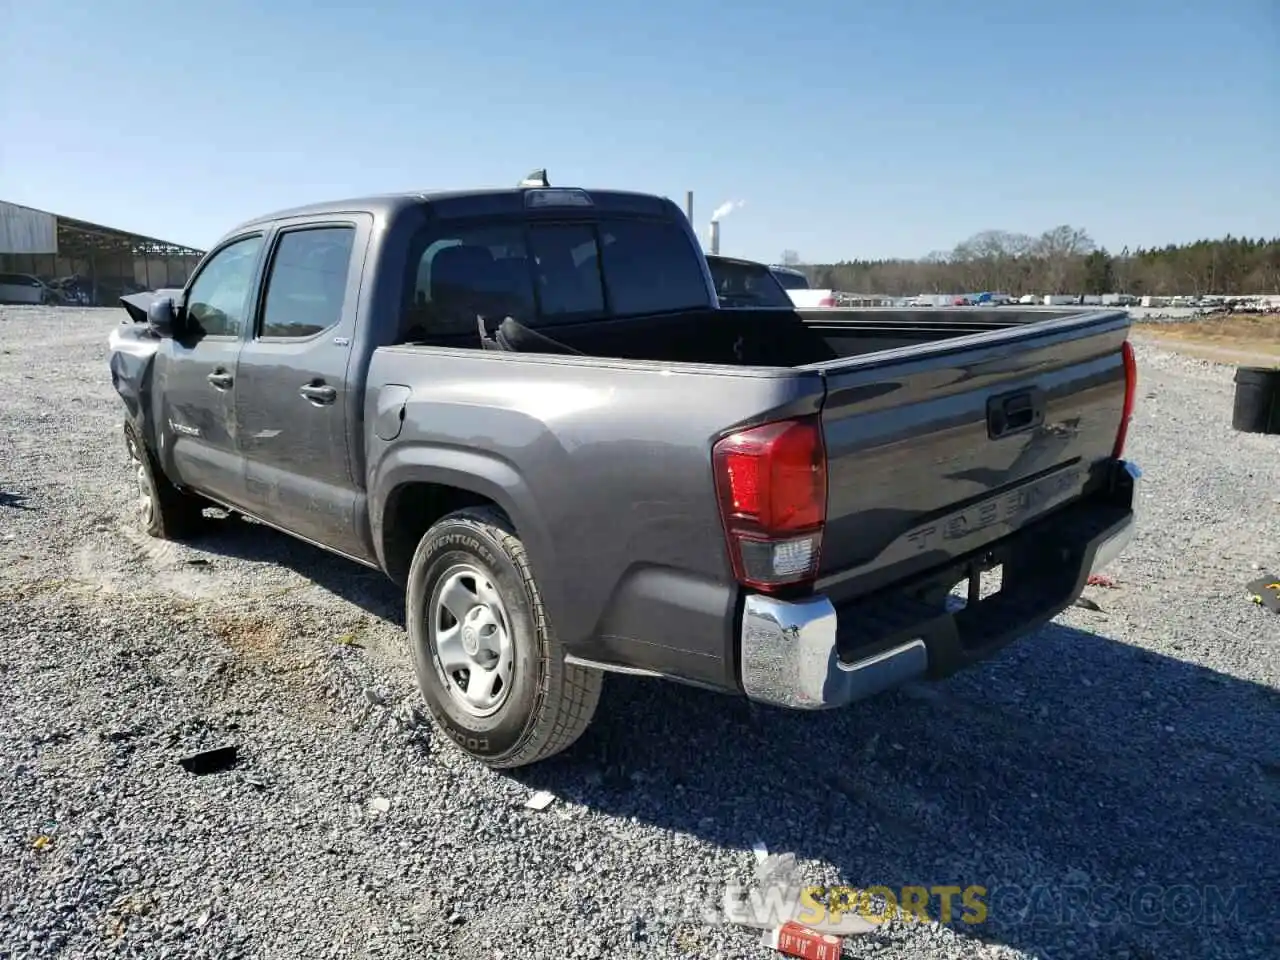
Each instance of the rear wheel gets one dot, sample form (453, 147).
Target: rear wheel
(164, 511)
(490, 668)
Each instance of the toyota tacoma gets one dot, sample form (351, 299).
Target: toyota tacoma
(527, 407)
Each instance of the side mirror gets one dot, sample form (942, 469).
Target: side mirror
(161, 317)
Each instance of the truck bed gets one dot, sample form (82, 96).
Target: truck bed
(778, 337)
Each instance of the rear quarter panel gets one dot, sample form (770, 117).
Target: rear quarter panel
(605, 469)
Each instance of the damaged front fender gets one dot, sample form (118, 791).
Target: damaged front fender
(131, 359)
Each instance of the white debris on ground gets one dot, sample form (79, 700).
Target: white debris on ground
(540, 800)
(1111, 783)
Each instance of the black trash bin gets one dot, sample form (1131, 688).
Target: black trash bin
(1257, 408)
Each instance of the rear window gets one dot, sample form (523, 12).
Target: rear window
(791, 281)
(651, 267)
(741, 284)
(545, 274)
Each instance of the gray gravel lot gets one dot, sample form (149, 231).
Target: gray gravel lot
(1112, 781)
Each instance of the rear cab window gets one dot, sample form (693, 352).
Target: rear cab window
(741, 284)
(791, 281)
(545, 273)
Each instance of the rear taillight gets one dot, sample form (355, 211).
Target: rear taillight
(1130, 394)
(772, 484)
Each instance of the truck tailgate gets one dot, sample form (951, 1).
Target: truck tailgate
(934, 451)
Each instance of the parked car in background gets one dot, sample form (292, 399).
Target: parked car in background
(797, 286)
(745, 283)
(23, 288)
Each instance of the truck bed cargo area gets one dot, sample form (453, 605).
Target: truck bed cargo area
(763, 337)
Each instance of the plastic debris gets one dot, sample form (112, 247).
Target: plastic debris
(1098, 580)
(760, 850)
(1265, 592)
(540, 800)
(379, 804)
(795, 940)
(210, 761)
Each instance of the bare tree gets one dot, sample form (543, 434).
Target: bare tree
(790, 258)
(1063, 250)
(990, 260)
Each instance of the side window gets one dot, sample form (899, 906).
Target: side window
(307, 283)
(219, 298)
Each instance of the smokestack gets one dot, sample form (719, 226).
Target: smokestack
(715, 237)
(688, 205)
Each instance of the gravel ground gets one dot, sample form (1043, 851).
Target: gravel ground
(1112, 782)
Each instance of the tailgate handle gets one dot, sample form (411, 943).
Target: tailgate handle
(1015, 412)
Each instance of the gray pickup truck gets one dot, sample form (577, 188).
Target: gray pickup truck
(526, 407)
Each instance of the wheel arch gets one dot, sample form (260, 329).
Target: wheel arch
(417, 486)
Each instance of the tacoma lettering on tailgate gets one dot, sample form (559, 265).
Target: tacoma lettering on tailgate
(1008, 508)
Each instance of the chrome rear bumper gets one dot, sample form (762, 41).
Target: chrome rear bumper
(789, 655)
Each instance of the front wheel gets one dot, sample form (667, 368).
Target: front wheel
(490, 668)
(164, 511)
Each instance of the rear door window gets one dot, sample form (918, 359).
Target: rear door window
(308, 282)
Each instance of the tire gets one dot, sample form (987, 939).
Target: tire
(532, 704)
(166, 512)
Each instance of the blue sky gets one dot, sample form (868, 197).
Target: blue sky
(849, 130)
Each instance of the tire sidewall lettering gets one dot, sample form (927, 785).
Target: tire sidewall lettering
(502, 734)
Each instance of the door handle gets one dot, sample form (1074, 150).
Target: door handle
(220, 379)
(318, 393)
(1015, 412)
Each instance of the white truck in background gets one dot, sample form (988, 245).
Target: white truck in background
(796, 283)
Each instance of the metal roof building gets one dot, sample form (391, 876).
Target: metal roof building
(87, 263)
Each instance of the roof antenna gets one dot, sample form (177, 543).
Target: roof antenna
(536, 179)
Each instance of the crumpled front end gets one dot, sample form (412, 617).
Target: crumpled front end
(131, 360)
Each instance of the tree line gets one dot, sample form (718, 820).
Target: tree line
(1064, 260)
